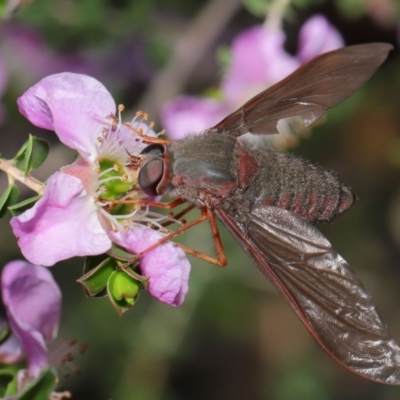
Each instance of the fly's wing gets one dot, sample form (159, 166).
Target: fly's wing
(308, 92)
(321, 288)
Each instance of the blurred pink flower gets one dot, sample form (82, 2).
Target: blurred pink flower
(317, 36)
(32, 301)
(70, 219)
(186, 115)
(258, 60)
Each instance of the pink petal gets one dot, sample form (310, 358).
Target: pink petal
(317, 36)
(167, 265)
(64, 223)
(75, 106)
(33, 301)
(10, 350)
(188, 115)
(258, 60)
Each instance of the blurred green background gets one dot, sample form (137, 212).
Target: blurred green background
(234, 337)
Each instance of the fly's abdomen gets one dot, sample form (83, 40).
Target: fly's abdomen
(305, 189)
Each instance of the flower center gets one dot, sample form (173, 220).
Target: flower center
(113, 181)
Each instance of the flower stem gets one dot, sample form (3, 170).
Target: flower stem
(275, 14)
(18, 175)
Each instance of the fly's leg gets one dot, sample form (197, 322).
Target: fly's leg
(206, 214)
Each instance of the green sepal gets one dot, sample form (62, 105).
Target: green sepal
(32, 154)
(97, 271)
(123, 291)
(121, 255)
(41, 388)
(19, 208)
(8, 198)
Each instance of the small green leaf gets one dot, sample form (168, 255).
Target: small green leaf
(259, 8)
(32, 154)
(8, 380)
(19, 208)
(3, 4)
(8, 199)
(40, 388)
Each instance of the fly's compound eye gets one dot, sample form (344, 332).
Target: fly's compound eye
(155, 148)
(150, 176)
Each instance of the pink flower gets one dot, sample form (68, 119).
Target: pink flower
(259, 60)
(186, 115)
(32, 301)
(72, 219)
(317, 36)
(168, 267)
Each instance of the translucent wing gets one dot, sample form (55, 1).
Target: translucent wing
(321, 288)
(308, 92)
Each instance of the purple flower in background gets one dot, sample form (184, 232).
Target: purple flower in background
(71, 218)
(317, 36)
(32, 301)
(259, 60)
(188, 114)
(33, 51)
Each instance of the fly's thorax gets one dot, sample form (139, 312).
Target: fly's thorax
(289, 182)
(204, 166)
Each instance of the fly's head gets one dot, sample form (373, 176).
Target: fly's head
(151, 169)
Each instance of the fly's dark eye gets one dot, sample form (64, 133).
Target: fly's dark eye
(150, 176)
(154, 148)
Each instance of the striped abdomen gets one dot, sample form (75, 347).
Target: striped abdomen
(294, 184)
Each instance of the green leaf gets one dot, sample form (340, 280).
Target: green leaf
(259, 8)
(40, 388)
(3, 4)
(8, 380)
(19, 208)
(8, 199)
(32, 154)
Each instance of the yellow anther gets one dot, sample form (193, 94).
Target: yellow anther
(121, 107)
